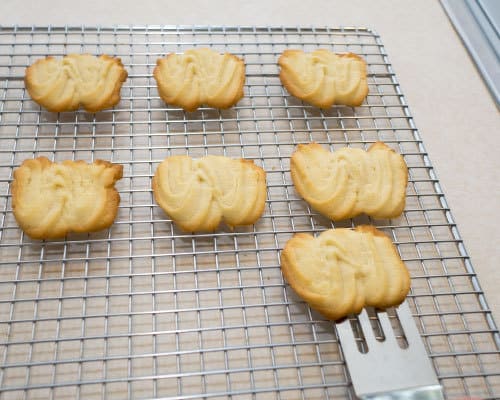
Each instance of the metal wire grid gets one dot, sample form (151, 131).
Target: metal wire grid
(143, 310)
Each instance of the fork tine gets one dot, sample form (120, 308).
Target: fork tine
(345, 332)
(386, 327)
(366, 326)
(409, 328)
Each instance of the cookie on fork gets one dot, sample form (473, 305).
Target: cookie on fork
(343, 270)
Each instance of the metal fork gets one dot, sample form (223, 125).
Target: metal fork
(387, 371)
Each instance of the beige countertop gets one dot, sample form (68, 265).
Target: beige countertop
(452, 109)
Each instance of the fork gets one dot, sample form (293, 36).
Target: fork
(387, 371)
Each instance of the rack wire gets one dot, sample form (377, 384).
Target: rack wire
(143, 310)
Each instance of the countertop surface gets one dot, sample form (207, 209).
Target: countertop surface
(452, 108)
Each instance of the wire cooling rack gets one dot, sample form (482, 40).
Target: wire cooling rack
(143, 310)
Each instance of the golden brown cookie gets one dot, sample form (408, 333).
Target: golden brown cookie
(76, 80)
(351, 181)
(200, 76)
(343, 270)
(51, 199)
(323, 78)
(200, 193)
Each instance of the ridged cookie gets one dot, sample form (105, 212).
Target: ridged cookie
(76, 80)
(343, 270)
(323, 78)
(351, 181)
(200, 193)
(200, 76)
(51, 199)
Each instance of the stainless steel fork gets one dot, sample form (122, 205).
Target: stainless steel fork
(386, 371)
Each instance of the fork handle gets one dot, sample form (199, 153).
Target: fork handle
(420, 393)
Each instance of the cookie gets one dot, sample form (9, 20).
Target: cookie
(200, 76)
(323, 78)
(343, 270)
(76, 80)
(49, 199)
(198, 194)
(351, 181)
